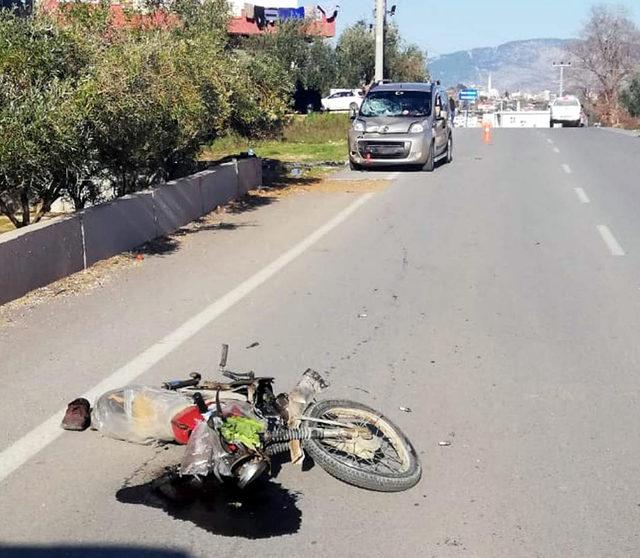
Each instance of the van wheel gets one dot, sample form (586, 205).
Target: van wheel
(431, 160)
(354, 166)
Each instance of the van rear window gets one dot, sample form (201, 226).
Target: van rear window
(567, 103)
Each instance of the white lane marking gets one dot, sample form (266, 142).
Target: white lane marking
(566, 168)
(393, 175)
(610, 241)
(550, 141)
(582, 195)
(556, 150)
(17, 454)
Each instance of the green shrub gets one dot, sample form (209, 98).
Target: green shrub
(630, 97)
(84, 104)
(42, 143)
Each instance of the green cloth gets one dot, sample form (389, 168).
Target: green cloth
(242, 430)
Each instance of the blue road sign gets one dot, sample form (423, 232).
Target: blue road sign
(468, 94)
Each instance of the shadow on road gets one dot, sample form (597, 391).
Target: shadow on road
(263, 510)
(88, 552)
(276, 176)
(250, 202)
(165, 245)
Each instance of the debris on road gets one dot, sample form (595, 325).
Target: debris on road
(252, 345)
(78, 415)
(406, 409)
(363, 315)
(444, 443)
(232, 429)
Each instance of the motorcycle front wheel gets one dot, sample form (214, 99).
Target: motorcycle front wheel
(384, 460)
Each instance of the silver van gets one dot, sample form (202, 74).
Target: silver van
(401, 124)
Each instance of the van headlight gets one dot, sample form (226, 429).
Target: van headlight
(359, 126)
(416, 128)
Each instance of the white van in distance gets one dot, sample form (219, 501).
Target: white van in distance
(566, 111)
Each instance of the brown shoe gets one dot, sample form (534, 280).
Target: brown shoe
(78, 415)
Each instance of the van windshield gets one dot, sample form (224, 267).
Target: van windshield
(396, 103)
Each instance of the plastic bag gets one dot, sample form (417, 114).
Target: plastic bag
(204, 453)
(138, 414)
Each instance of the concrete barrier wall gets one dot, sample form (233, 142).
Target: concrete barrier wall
(177, 203)
(117, 226)
(218, 186)
(249, 175)
(35, 256)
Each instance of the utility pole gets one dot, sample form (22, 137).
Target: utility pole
(381, 15)
(562, 66)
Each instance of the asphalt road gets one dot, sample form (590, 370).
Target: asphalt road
(498, 298)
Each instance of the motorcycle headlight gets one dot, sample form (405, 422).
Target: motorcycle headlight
(416, 128)
(359, 126)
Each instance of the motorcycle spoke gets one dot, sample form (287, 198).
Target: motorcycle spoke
(385, 459)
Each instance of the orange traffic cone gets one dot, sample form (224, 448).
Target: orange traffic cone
(486, 126)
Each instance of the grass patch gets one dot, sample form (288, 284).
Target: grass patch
(313, 138)
(5, 224)
(317, 127)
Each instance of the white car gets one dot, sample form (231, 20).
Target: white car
(342, 100)
(566, 111)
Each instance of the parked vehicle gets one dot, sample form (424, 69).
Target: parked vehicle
(401, 124)
(566, 111)
(233, 429)
(342, 100)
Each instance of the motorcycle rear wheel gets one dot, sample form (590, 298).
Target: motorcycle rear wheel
(393, 468)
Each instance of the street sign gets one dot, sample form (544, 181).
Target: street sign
(468, 94)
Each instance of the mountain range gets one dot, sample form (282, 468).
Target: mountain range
(516, 65)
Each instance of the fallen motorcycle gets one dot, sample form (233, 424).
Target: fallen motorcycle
(233, 429)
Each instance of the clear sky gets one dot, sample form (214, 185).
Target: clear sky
(446, 26)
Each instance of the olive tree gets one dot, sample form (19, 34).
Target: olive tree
(356, 57)
(41, 118)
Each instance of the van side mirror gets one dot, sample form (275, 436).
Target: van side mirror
(353, 111)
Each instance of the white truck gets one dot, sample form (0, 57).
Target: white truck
(566, 111)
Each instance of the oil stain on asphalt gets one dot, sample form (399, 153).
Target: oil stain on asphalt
(263, 510)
